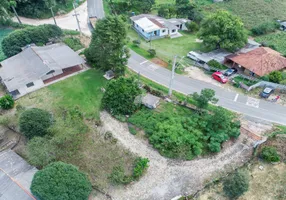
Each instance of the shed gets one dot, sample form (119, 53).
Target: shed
(109, 75)
(150, 101)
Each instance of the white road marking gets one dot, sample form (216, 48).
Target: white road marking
(152, 67)
(235, 98)
(144, 62)
(252, 102)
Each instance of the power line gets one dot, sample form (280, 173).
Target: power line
(77, 20)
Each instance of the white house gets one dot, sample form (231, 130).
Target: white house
(153, 27)
(31, 68)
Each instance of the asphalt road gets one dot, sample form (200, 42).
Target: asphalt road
(249, 106)
(95, 8)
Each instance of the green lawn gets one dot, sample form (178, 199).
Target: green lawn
(3, 33)
(167, 48)
(82, 91)
(276, 40)
(252, 12)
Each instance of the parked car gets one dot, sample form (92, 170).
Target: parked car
(230, 72)
(192, 55)
(219, 77)
(266, 92)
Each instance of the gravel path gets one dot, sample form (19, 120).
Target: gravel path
(166, 178)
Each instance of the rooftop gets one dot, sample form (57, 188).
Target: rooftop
(34, 62)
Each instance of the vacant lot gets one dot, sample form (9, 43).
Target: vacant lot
(94, 154)
(3, 33)
(276, 40)
(253, 12)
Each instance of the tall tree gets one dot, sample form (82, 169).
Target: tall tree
(223, 30)
(107, 50)
(4, 14)
(185, 8)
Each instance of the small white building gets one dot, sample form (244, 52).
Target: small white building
(153, 27)
(150, 101)
(31, 68)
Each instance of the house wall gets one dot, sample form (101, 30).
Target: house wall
(162, 33)
(57, 72)
(173, 33)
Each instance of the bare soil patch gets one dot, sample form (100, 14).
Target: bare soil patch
(160, 62)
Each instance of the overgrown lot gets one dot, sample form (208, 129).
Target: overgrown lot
(73, 138)
(253, 12)
(178, 132)
(274, 40)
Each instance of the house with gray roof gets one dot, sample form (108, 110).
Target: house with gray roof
(16, 176)
(152, 27)
(28, 70)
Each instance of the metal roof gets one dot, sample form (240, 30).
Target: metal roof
(15, 177)
(34, 62)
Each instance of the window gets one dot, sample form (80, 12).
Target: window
(15, 93)
(50, 72)
(174, 30)
(163, 31)
(142, 30)
(30, 84)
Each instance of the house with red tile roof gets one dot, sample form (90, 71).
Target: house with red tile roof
(258, 62)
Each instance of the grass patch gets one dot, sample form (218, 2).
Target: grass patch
(142, 52)
(275, 40)
(252, 12)
(167, 48)
(247, 82)
(3, 34)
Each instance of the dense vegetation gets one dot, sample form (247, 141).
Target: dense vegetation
(60, 181)
(270, 154)
(276, 41)
(73, 42)
(3, 34)
(12, 44)
(7, 102)
(35, 122)
(223, 30)
(107, 49)
(236, 184)
(137, 6)
(177, 132)
(120, 95)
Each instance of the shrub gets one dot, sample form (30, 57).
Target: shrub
(192, 27)
(216, 64)
(275, 76)
(132, 130)
(120, 96)
(60, 181)
(73, 43)
(152, 52)
(35, 122)
(13, 43)
(283, 82)
(265, 28)
(270, 154)
(118, 176)
(136, 43)
(236, 184)
(141, 164)
(7, 102)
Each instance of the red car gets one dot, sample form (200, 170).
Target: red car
(219, 77)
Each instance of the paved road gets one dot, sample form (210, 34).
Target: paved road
(231, 100)
(95, 8)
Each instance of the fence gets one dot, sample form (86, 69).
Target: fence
(267, 84)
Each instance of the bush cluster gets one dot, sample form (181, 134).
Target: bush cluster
(7, 102)
(60, 181)
(275, 77)
(118, 175)
(13, 43)
(73, 43)
(264, 28)
(270, 154)
(179, 133)
(35, 122)
(216, 64)
(153, 91)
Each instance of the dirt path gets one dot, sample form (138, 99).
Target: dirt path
(67, 21)
(167, 178)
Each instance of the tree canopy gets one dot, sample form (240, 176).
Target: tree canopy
(35, 122)
(203, 99)
(60, 181)
(119, 98)
(137, 6)
(107, 49)
(13, 43)
(223, 30)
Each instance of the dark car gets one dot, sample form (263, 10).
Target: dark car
(267, 92)
(230, 72)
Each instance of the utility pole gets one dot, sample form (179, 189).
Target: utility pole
(75, 14)
(16, 14)
(172, 77)
(53, 15)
